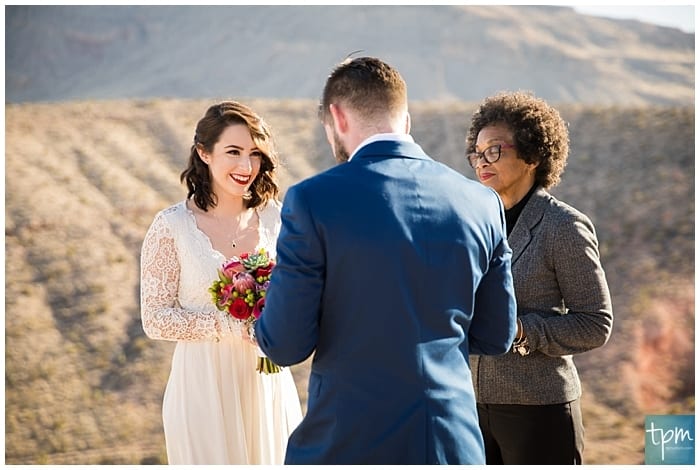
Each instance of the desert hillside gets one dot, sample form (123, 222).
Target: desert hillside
(83, 180)
(445, 52)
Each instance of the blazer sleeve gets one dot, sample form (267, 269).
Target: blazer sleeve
(287, 331)
(494, 326)
(588, 321)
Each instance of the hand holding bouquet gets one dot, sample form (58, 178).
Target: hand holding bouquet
(240, 291)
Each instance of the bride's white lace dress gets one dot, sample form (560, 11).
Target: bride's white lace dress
(217, 409)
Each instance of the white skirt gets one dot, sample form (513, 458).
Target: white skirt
(217, 409)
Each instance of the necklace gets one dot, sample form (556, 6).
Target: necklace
(238, 233)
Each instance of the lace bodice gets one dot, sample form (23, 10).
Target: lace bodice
(178, 264)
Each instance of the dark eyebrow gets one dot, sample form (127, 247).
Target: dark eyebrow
(236, 147)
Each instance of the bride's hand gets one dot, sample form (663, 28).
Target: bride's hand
(248, 334)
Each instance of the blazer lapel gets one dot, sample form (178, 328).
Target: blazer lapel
(531, 215)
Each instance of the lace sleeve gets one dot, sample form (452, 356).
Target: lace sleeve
(161, 315)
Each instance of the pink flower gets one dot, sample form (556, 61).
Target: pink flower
(224, 295)
(242, 282)
(239, 309)
(232, 267)
(258, 309)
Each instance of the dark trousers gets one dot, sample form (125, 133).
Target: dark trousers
(532, 435)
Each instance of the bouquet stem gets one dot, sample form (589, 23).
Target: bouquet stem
(266, 366)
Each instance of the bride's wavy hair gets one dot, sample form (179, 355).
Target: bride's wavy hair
(217, 118)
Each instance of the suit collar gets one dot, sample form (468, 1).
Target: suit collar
(382, 136)
(531, 215)
(390, 148)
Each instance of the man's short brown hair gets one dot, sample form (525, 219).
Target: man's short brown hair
(368, 86)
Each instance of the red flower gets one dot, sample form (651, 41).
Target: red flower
(258, 309)
(239, 309)
(264, 271)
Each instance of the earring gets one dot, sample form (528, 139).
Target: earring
(247, 196)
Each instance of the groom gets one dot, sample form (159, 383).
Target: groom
(393, 268)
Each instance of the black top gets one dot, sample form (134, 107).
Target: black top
(513, 213)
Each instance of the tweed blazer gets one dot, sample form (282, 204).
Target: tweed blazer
(563, 303)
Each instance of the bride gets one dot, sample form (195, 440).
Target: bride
(217, 409)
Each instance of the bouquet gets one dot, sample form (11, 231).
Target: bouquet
(240, 291)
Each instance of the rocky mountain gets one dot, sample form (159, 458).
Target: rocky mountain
(83, 385)
(445, 52)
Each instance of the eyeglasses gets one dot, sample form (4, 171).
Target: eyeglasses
(490, 154)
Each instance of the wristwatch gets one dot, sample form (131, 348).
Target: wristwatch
(521, 346)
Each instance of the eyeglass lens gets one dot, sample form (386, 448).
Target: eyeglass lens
(490, 154)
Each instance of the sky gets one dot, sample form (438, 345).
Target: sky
(679, 16)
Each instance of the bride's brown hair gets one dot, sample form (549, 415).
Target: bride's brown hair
(217, 118)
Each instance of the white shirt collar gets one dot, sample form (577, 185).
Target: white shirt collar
(386, 136)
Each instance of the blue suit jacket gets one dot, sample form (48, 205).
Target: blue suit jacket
(392, 268)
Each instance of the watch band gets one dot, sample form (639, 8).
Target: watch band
(521, 346)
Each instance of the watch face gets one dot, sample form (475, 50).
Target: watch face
(523, 348)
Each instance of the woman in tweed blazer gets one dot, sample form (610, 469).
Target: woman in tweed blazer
(528, 399)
